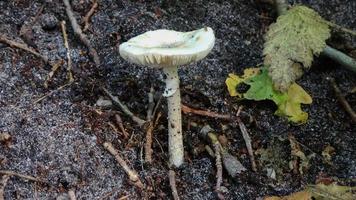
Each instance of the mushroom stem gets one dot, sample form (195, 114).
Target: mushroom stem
(175, 138)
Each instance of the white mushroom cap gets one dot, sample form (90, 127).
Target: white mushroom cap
(165, 48)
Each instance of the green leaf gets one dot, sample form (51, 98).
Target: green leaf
(261, 88)
(293, 41)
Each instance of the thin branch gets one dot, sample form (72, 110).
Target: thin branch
(124, 108)
(54, 69)
(217, 149)
(52, 92)
(3, 183)
(24, 47)
(78, 31)
(11, 173)
(87, 17)
(148, 144)
(69, 59)
(343, 29)
(172, 183)
(344, 60)
(231, 164)
(133, 175)
(342, 100)
(247, 139)
(186, 109)
(121, 126)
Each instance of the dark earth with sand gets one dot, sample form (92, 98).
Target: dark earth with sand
(59, 139)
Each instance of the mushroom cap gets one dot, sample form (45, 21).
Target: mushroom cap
(165, 48)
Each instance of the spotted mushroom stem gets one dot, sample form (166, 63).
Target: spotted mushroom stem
(175, 137)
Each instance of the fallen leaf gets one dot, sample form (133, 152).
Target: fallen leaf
(327, 153)
(291, 107)
(303, 195)
(332, 191)
(297, 152)
(261, 88)
(233, 80)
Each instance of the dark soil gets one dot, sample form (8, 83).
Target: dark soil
(59, 139)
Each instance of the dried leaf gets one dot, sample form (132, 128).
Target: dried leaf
(321, 192)
(295, 38)
(327, 153)
(303, 195)
(332, 191)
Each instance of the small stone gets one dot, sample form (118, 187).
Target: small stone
(49, 22)
(101, 102)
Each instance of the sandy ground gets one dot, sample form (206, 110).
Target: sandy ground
(59, 139)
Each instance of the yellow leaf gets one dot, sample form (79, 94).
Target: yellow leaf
(291, 108)
(303, 195)
(233, 80)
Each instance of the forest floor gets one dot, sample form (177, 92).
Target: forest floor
(59, 139)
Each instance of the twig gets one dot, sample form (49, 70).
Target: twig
(52, 92)
(247, 139)
(172, 183)
(71, 195)
(121, 126)
(217, 149)
(24, 47)
(86, 19)
(343, 29)
(11, 173)
(54, 69)
(3, 183)
(78, 31)
(336, 55)
(133, 175)
(341, 58)
(151, 105)
(231, 164)
(148, 144)
(69, 59)
(186, 109)
(124, 108)
(342, 100)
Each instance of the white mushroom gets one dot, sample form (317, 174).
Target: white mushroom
(168, 49)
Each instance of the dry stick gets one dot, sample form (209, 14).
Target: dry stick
(121, 126)
(124, 108)
(172, 183)
(148, 144)
(186, 109)
(71, 195)
(52, 92)
(69, 59)
(217, 149)
(54, 69)
(86, 19)
(341, 98)
(11, 43)
(3, 183)
(11, 173)
(336, 55)
(78, 31)
(151, 125)
(247, 139)
(133, 175)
